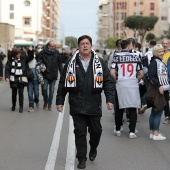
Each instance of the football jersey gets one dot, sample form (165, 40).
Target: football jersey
(127, 64)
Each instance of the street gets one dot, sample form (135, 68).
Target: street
(44, 140)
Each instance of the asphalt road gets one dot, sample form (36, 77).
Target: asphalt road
(44, 140)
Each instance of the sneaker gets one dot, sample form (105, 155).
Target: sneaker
(151, 136)
(50, 108)
(159, 137)
(136, 131)
(37, 105)
(132, 135)
(31, 109)
(117, 133)
(45, 106)
(143, 109)
(81, 164)
(127, 121)
(121, 128)
(166, 121)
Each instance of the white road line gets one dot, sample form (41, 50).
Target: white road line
(50, 165)
(70, 147)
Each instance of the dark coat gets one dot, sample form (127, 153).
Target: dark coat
(85, 99)
(52, 61)
(153, 97)
(8, 67)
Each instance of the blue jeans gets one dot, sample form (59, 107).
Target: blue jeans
(154, 119)
(33, 92)
(48, 98)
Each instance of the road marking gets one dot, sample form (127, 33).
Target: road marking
(50, 165)
(70, 147)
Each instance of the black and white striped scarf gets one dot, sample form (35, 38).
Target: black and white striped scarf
(70, 80)
(16, 69)
(162, 72)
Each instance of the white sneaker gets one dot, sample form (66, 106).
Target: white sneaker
(132, 135)
(121, 128)
(166, 121)
(159, 137)
(151, 136)
(31, 109)
(143, 109)
(117, 133)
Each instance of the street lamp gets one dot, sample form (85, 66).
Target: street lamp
(119, 17)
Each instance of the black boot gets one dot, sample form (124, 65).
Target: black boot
(13, 108)
(81, 164)
(20, 109)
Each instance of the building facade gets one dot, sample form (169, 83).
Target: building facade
(34, 20)
(118, 10)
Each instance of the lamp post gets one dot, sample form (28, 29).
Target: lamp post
(119, 17)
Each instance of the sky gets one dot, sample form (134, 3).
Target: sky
(78, 17)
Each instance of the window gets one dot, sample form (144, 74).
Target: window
(163, 18)
(11, 15)
(152, 6)
(151, 14)
(27, 21)
(11, 7)
(27, 3)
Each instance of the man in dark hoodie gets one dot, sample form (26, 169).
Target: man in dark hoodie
(50, 57)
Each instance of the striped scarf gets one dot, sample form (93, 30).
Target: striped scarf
(70, 80)
(16, 69)
(162, 72)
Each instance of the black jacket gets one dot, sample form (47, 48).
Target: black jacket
(8, 67)
(52, 61)
(85, 99)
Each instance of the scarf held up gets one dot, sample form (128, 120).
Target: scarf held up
(70, 80)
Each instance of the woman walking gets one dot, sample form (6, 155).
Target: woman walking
(15, 69)
(159, 85)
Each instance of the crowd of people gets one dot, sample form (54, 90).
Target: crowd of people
(132, 82)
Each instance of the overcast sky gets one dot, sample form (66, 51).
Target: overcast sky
(78, 17)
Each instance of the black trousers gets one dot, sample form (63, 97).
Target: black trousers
(166, 110)
(20, 94)
(132, 114)
(81, 123)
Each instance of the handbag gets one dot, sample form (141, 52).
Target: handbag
(23, 80)
(154, 98)
(29, 74)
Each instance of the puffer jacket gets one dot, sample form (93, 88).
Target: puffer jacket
(84, 98)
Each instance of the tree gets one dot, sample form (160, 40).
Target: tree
(141, 24)
(166, 34)
(150, 37)
(71, 42)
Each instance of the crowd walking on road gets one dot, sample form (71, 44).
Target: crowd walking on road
(132, 82)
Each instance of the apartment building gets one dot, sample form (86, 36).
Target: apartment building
(118, 10)
(34, 20)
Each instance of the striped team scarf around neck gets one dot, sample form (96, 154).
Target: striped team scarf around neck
(70, 80)
(16, 69)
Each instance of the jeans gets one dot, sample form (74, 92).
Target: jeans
(33, 92)
(154, 119)
(48, 98)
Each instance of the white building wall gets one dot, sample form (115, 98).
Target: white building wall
(20, 11)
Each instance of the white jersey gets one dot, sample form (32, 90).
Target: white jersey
(127, 64)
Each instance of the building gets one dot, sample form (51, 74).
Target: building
(34, 20)
(117, 10)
